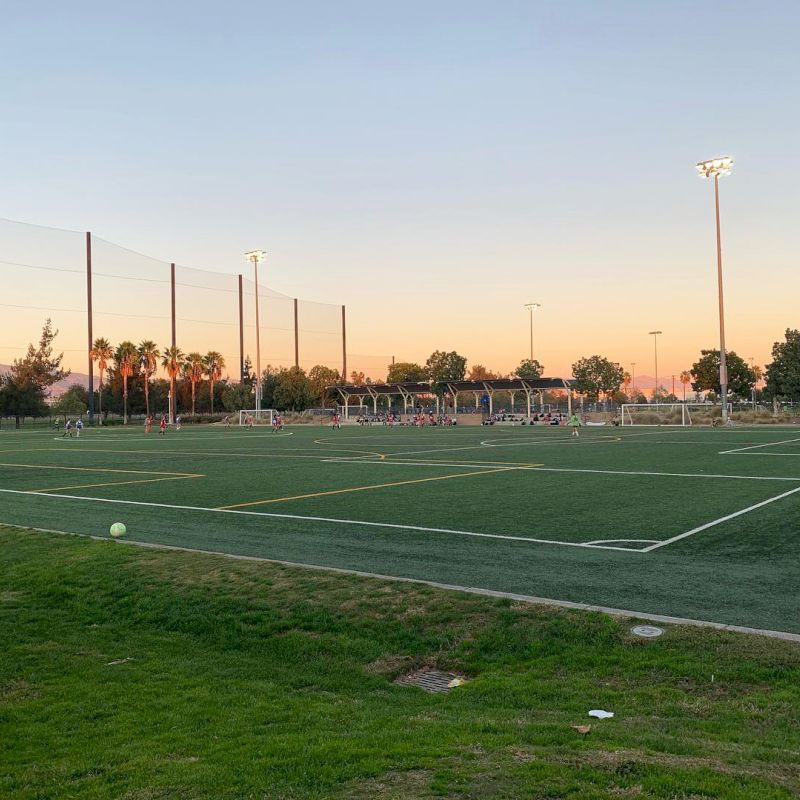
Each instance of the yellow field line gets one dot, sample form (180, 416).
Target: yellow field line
(100, 469)
(366, 488)
(114, 483)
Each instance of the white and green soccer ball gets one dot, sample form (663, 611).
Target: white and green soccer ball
(117, 530)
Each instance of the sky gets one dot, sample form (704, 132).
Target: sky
(433, 166)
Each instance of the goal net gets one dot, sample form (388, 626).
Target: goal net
(655, 414)
(353, 412)
(259, 417)
(672, 414)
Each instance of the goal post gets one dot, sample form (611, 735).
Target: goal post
(260, 417)
(656, 414)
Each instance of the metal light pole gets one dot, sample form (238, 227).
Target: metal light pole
(532, 307)
(655, 335)
(256, 257)
(753, 370)
(708, 169)
(633, 377)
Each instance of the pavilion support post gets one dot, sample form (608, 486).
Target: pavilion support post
(528, 398)
(569, 401)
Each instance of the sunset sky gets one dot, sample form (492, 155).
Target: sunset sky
(434, 166)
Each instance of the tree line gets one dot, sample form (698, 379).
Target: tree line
(128, 383)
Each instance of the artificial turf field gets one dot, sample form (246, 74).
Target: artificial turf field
(694, 523)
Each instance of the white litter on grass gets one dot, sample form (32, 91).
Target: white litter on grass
(456, 682)
(600, 714)
(120, 661)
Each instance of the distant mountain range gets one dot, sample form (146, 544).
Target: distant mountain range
(59, 388)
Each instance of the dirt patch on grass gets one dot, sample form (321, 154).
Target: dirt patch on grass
(392, 786)
(626, 762)
(16, 691)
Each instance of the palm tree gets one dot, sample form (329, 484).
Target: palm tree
(171, 361)
(686, 378)
(213, 364)
(148, 361)
(101, 352)
(626, 380)
(125, 356)
(192, 370)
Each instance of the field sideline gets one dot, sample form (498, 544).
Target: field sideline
(691, 523)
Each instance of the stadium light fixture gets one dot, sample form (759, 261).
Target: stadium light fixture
(713, 168)
(255, 257)
(532, 307)
(655, 335)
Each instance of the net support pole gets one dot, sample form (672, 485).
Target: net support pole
(172, 403)
(241, 331)
(89, 323)
(296, 338)
(344, 346)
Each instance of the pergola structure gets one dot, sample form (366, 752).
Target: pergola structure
(410, 391)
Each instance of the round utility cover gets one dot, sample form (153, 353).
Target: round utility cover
(648, 631)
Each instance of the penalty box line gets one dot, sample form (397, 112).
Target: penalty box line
(334, 520)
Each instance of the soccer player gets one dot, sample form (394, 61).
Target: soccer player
(78, 428)
(177, 423)
(574, 423)
(162, 426)
(67, 429)
(227, 422)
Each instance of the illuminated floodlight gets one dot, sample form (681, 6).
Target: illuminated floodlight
(256, 256)
(715, 167)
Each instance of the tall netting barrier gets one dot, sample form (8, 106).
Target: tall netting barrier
(130, 296)
(42, 274)
(136, 298)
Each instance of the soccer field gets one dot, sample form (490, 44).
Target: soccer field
(694, 523)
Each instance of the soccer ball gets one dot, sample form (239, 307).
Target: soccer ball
(117, 530)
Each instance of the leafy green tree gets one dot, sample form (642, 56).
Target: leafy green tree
(237, 396)
(73, 403)
(783, 374)
(320, 378)
(596, 375)
(477, 372)
(529, 368)
(705, 372)
(405, 372)
(442, 366)
(293, 391)
(25, 387)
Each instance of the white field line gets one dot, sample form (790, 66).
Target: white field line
(362, 523)
(522, 598)
(529, 468)
(758, 447)
(719, 521)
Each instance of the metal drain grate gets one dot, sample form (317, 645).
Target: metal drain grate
(431, 680)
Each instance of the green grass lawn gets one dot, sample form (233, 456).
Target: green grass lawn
(255, 680)
(695, 523)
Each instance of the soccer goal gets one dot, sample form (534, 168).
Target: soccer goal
(681, 414)
(260, 417)
(655, 414)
